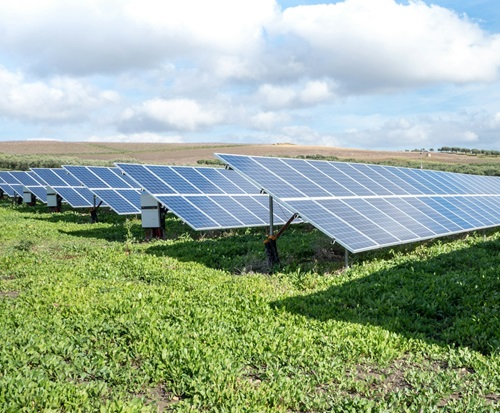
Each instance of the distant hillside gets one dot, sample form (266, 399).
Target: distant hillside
(191, 154)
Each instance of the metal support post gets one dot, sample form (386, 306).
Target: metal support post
(271, 216)
(346, 256)
(93, 212)
(58, 203)
(270, 243)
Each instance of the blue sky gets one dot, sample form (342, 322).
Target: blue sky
(370, 74)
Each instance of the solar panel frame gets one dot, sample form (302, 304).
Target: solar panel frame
(429, 203)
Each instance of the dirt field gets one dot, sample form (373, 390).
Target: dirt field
(189, 154)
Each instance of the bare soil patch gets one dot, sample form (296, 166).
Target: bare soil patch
(9, 294)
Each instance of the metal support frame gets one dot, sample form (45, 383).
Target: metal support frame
(270, 243)
(93, 212)
(346, 258)
(59, 203)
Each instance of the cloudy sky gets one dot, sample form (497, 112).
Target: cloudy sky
(374, 74)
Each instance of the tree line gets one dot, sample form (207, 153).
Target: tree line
(468, 151)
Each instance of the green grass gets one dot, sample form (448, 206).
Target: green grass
(94, 319)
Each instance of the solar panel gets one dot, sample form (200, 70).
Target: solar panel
(29, 182)
(14, 184)
(66, 186)
(4, 186)
(365, 207)
(206, 198)
(110, 186)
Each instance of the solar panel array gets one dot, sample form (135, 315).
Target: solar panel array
(111, 186)
(66, 186)
(29, 181)
(361, 206)
(365, 207)
(205, 198)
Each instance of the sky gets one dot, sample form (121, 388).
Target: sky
(368, 74)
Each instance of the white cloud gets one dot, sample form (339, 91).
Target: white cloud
(268, 120)
(469, 136)
(60, 99)
(305, 135)
(170, 114)
(276, 96)
(315, 92)
(380, 44)
(464, 130)
(305, 94)
(114, 36)
(495, 121)
(225, 25)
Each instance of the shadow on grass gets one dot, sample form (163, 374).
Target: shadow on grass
(236, 253)
(68, 214)
(452, 299)
(115, 233)
(117, 228)
(243, 251)
(80, 216)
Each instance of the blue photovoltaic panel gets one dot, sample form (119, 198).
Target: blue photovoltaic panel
(109, 185)
(5, 187)
(39, 191)
(66, 186)
(206, 198)
(122, 201)
(25, 178)
(13, 183)
(365, 207)
(50, 176)
(29, 181)
(67, 177)
(77, 197)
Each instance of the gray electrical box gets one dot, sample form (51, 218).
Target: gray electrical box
(28, 197)
(51, 198)
(150, 211)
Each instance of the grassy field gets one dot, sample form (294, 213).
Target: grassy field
(94, 319)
